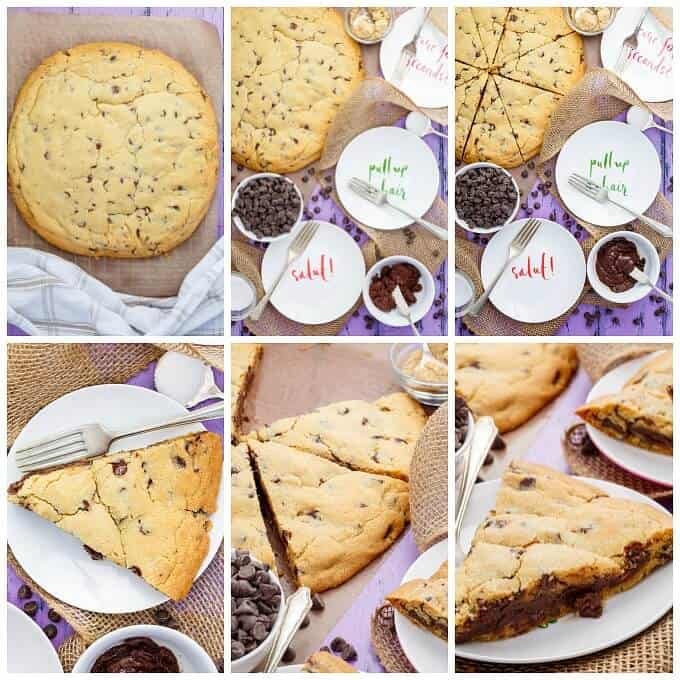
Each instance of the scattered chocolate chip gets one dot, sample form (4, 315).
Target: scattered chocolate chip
(31, 608)
(24, 592)
(288, 655)
(51, 631)
(53, 616)
(317, 603)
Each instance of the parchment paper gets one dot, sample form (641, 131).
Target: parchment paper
(33, 36)
(296, 378)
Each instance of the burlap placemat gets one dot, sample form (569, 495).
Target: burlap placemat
(599, 95)
(600, 358)
(386, 643)
(374, 103)
(39, 373)
(429, 481)
(649, 652)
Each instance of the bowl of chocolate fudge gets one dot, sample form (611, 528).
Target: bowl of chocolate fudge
(256, 610)
(487, 198)
(145, 649)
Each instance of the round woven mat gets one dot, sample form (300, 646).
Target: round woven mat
(386, 643)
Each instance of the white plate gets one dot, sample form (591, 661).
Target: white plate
(571, 636)
(557, 273)
(636, 171)
(28, 649)
(392, 159)
(427, 652)
(653, 466)
(70, 574)
(425, 79)
(650, 73)
(321, 285)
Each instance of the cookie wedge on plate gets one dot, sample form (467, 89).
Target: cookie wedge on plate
(642, 413)
(146, 510)
(425, 602)
(333, 521)
(248, 530)
(377, 437)
(551, 546)
(324, 662)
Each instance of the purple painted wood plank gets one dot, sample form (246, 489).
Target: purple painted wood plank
(651, 316)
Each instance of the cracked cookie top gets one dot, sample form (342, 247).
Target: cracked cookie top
(332, 521)
(291, 70)
(112, 151)
(146, 510)
(377, 437)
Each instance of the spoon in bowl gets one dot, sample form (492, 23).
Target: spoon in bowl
(643, 120)
(185, 379)
(641, 277)
(421, 125)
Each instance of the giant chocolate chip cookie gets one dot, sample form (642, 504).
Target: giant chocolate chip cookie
(291, 70)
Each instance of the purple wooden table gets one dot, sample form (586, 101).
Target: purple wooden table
(651, 315)
(64, 630)
(362, 323)
(213, 15)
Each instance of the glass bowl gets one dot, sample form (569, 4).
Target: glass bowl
(427, 393)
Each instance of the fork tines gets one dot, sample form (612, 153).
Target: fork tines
(361, 185)
(304, 236)
(526, 233)
(583, 184)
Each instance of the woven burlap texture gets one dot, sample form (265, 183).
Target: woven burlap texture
(600, 95)
(649, 652)
(598, 359)
(374, 103)
(39, 373)
(429, 481)
(386, 643)
(428, 492)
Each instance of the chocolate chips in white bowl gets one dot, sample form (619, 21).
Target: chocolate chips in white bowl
(486, 197)
(267, 206)
(255, 603)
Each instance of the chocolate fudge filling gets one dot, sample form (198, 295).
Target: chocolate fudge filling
(526, 610)
(137, 655)
(615, 260)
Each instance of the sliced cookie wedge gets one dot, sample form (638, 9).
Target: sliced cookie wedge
(555, 67)
(469, 47)
(146, 510)
(332, 521)
(244, 360)
(468, 98)
(553, 545)
(248, 530)
(491, 137)
(490, 23)
(377, 437)
(528, 28)
(529, 110)
(425, 602)
(324, 662)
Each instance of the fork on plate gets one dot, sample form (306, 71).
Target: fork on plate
(409, 50)
(362, 188)
(520, 241)
(92, 439)
(297, 246)
(629, 44)
(598, 193)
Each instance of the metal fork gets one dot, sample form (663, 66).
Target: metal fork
(298, 246)
(631, 43)
(92, 439)
(598, 193)
(515, 249)
(409, 50)
(380, 198)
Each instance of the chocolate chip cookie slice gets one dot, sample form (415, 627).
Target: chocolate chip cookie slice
(146, 510)
(248, 531)
(325, 662)
(244, 360)
(553, 545)
(469, 45)
(512, 382)
(332, 521)
(468, 98)
(555, 67)
(490, 24)
(425, 602)
(377, 437)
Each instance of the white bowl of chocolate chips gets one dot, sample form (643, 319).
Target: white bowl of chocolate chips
(487, 198)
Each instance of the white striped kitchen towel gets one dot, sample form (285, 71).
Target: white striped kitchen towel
(47, 295)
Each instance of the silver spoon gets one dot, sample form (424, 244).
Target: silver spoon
(421, 125)
(185, 379)
(641, 277)
(483, 437)
(643, 120)
(296, 608)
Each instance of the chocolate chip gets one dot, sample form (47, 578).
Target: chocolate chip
(498, 444)
(527, 483)
(94, 554)
(305, 622)
(51, 631)
(53, 616)
(288, 655)
(31, 608)
(338, 644)
(119, 468)
(24, 592)
(317, 603)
